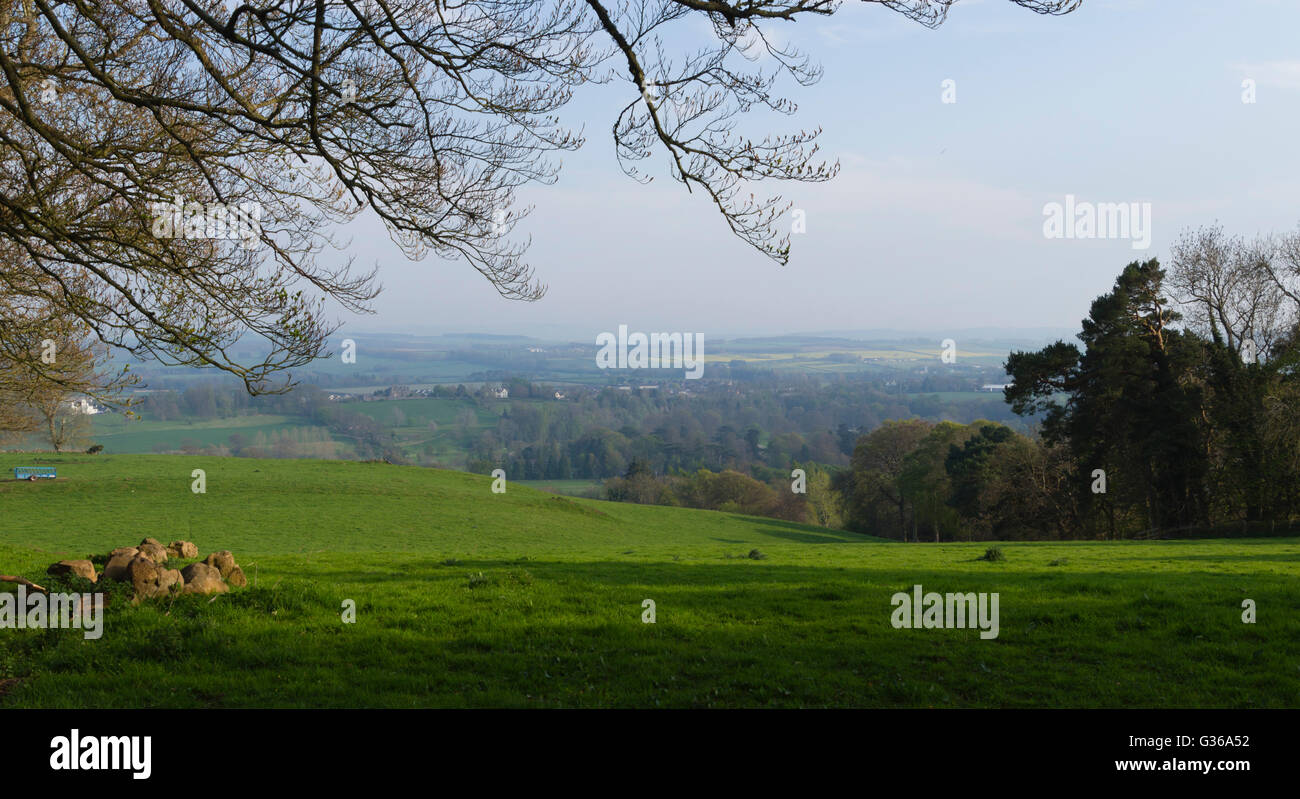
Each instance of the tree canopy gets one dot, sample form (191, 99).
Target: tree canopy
(172, 169)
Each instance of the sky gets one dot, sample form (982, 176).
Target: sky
(936, 220)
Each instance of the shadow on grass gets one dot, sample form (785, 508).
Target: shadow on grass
(700, 583)
(800, 533)
(733, 633)
(1221, 558)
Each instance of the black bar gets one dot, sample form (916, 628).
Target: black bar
(270, 748)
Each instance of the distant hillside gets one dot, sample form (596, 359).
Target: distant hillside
(271, 506)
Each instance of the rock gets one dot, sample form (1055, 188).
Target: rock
(200, 578)
(194, 571)
(81, 568)
(154, 552)
(116, 568)
(183, 550)
(236, 578)
(124, 551)
(143, 574)
(153, 541)
(170, 581)
(222, 561)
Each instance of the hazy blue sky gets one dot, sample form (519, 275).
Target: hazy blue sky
(936, 220)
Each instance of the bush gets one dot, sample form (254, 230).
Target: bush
(992, 554)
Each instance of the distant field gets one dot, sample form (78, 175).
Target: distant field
(409, 421)
(432, 366)
(573, 488)
(120, 435)
(848, 359)
(143, 436)
(963, 396)
(420, 411)
(427, 361)
(413, 436)
(370, 389)
(469, 598)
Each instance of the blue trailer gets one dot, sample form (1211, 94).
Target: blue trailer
(34, 473)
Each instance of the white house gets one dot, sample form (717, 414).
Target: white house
(83, 405)
(501, 393)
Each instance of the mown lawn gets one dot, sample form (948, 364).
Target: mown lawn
(469, 598)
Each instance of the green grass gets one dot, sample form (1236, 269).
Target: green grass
(572, 488)
(468, 598)
(422, 410)
(122, 436)
(415, 439)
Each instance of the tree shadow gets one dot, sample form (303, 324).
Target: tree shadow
(793, 531)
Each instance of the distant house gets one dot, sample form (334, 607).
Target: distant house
(994, 386)
(83, 405)
(501, 393)
(559, 395)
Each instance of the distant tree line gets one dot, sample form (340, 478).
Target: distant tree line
(599, 435)
(596, 434)
(732, 491)
(1157, 423)
(1148, 427)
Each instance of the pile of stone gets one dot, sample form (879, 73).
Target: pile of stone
(143, 566)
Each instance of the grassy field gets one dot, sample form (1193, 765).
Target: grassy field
(121, 435)
(414, 436)
(419, 412)
(469, 598)
(571, 488)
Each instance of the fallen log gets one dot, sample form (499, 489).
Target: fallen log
(9, 578)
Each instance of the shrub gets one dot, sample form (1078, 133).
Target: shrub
(992, 554)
